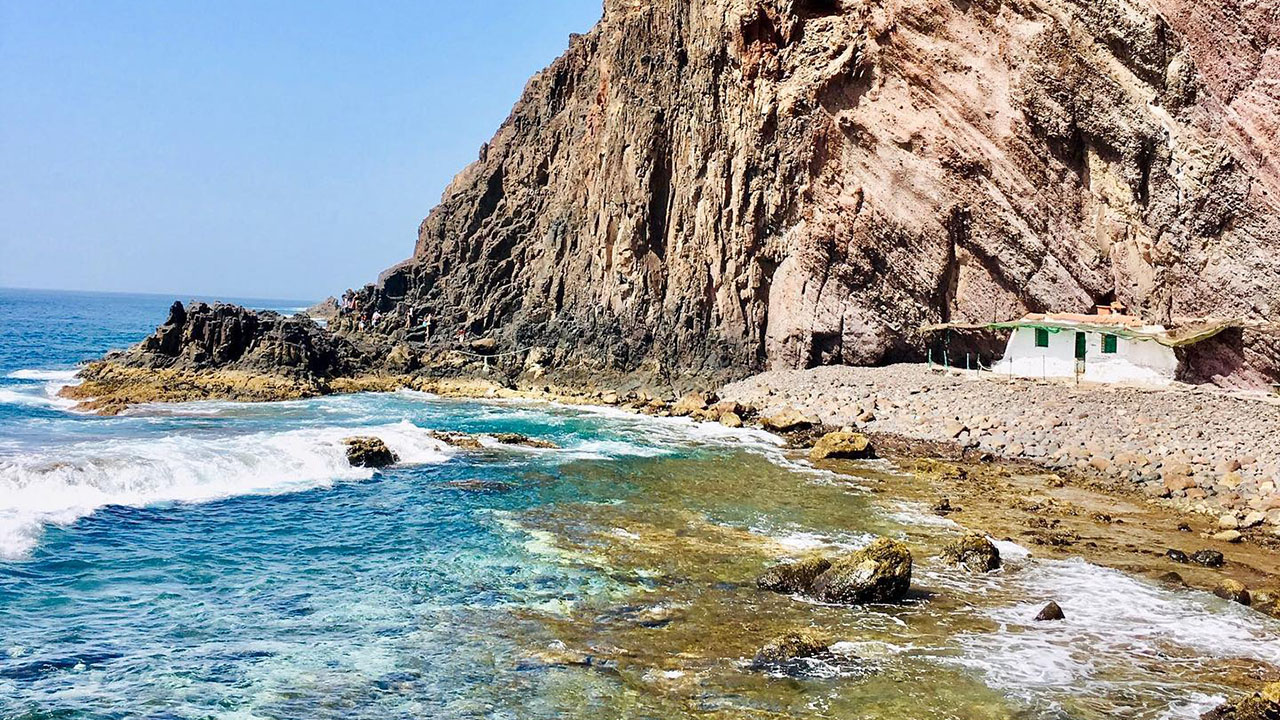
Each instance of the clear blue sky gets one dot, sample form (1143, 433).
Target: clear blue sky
(246, 148)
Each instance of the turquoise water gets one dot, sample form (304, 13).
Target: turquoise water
(222, 560)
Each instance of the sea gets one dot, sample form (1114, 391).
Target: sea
(223, 560)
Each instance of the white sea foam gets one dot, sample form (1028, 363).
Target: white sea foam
(64, 376)
(63, 484)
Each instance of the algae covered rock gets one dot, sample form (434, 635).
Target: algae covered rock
(791, 647)
(1261, 705)
(973, 551)
(510, 438)
(841, 445)
(370, 452)
(793, 577)
(1232, 590)
(880, 572)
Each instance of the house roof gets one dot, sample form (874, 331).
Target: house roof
(1185, 331)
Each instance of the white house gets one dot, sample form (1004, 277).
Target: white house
(1108, 347)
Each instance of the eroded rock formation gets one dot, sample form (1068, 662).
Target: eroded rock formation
(719, 186)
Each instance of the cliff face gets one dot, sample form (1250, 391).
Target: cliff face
(715, 186)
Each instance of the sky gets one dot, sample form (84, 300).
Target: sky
(247, 148)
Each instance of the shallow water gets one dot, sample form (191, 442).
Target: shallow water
(222, 560)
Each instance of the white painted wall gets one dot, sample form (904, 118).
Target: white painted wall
(1140, 362)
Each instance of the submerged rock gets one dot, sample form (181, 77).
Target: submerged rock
(370, 452)
(842, 446)
(459, 440)
(1232, 590)
(481, 486)
(1052, 611)
(1261, 705)
(793, 577)
(788, 648)
(880, 572)
(525, 440)
(973, 551)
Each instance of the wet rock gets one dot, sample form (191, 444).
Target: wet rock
(793, 577)
(1232, 590)
(370, 452)
(787, 649)
(1261, 705)
(1052, 611)
(943, 508)
(880, 572)
(973, 551)
(1207, 558)
(462, 441)
(730, 419)
(1266, 601)
(1172, 578)
(524, 440)
(788, 420)
(1176, 555)
(841, 445)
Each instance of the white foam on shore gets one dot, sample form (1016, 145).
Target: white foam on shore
(64, 376)
(45, 395)
(61, 485)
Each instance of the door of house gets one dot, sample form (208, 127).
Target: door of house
(1081, 346)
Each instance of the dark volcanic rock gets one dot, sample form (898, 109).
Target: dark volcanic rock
(1050, 612)
(1208, 558)
(230, 337)
(369, 452)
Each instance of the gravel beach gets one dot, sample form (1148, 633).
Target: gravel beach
(1195, 448)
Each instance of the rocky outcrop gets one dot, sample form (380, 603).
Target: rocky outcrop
(720, 186)
(1261, 705)
(793, 577)
(369, 452)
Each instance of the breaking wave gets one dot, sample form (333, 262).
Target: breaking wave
(59, 486)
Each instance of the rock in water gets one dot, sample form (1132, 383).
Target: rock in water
(1261, 705)
(793, 577)
(1232, 590)
(788, 420)
(370, 452)
(842, 446)
(973, 551)
(1050, 612)
(511, 438)
(880, 572)
(786, 649)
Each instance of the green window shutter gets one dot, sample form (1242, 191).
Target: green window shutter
(1042, 337)
(1108, 343)
(1081, 345)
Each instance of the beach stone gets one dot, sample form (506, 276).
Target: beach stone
(793, 577)
(1253, 519)
(1261, 705)
(973, 551)
(1232, 590)
(1228, 522)
(880, 572)
(788, 648)
(787, 420)
(1266, 601)
(1172, 578)
(1176, 555)
(1231, 536)
(1207, 558)
(689, 404)
(1052, 611)
(370, 452)
(609, 398)
(841, 445)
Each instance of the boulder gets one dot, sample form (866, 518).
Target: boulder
(973, 551)
(401, 359)
(1231, 536)
(793, 577)
(1176, 555)
(484, 346)
(1232, 590)
(730, 419)
(788, 420)
(1207, 558)
(788, 648)
(370, 452)
(1172, 578)
(1261, 705)
(842, 446)
(880, 572)
(1052, 611)
(690, 404)
(1266, 601)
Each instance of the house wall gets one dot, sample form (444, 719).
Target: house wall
(1143, 362)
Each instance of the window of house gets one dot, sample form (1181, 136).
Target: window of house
(1042, 337)
(1108, 343)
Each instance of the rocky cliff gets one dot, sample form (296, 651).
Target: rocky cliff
(719, 186)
